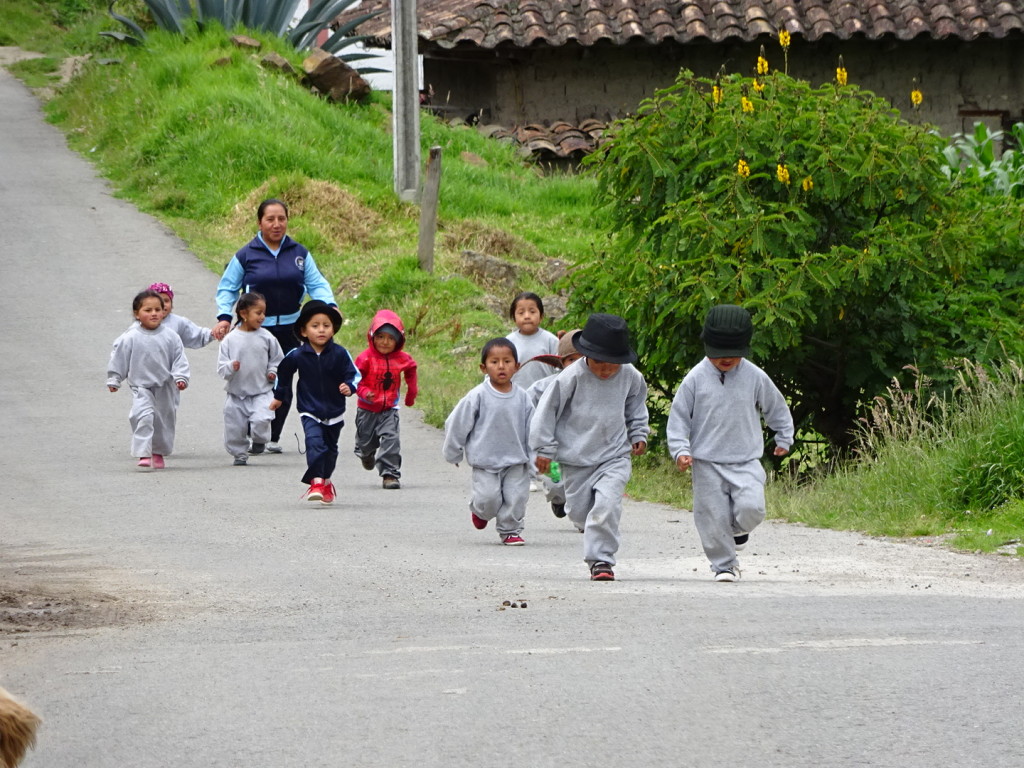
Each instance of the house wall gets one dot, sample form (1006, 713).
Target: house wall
(962, 82)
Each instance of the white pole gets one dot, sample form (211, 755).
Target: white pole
(406, 100)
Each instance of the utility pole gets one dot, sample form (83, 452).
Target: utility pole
(406, 101)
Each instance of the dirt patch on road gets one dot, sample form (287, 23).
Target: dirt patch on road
(39, 609)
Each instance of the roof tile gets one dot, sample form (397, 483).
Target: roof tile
(492, 23)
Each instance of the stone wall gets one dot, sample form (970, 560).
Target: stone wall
(962, 82)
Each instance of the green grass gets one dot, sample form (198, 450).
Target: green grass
(198, 133)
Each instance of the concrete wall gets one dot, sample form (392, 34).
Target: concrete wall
(961, 82)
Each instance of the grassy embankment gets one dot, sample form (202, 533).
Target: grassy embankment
(197, 134)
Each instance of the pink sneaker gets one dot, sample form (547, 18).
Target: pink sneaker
(478, 522)
(513, 540)
(315, 492)
(145, 463)
(158, 461)
(328, 493)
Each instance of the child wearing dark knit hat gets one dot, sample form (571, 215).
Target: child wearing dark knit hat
(714, 428)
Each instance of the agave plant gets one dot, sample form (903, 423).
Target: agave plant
(273, 16)
(973, 157)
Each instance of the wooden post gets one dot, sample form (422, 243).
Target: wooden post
(428, 210)
(405, 101)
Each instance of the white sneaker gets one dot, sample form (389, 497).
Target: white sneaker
(740, 540)
(274, 448)
(733, 574)
(534, 486)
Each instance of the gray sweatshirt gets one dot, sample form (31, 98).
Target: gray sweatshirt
(257, 352)
(489, 428)
(717, 417)
(147, 358)
(192, 335)
(540, 342)
(583, 420)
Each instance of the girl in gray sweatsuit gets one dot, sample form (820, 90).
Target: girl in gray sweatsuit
(248, 360)
(488, 428)
(591, 419)
(714, 427)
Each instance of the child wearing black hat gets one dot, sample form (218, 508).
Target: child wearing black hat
(591, 419)
(714, 428)
(327, 376)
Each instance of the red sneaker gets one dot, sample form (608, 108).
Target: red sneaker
(513, 540)
(328, 493)
(145, 463)
(158, 461)
(315, 492)
(478, 522)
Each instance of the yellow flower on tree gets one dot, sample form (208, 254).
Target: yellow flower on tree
(762, 65)
(784, 39)
(758, 85)
(742, 168)
(747, 104)
(841, 72)
(782, 173)
(807, 184)
(716, 93)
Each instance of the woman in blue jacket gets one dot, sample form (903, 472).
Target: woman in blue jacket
(283, 271)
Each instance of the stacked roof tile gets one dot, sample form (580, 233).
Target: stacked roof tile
(524, 23)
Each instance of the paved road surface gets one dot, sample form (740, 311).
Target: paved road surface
(204, 616)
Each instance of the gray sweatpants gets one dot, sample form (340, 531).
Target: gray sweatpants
(377, 434)
(501, 496)
(728, 499)
(245, 415)
(593, 501)
(153, 415)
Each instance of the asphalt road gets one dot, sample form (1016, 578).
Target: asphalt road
(205, 616)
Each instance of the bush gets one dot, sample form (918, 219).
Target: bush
(823, 213)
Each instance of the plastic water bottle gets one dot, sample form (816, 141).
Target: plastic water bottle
(555, 472)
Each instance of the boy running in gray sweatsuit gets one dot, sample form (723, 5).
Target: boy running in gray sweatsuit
(714, 428)
(488, 427)
(591, 419)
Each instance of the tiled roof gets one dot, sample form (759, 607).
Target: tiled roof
(523, 23)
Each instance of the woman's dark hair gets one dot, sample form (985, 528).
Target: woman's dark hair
(245, 301)
(270, 201)
(499, 343)
(146, 294)
(526, 295)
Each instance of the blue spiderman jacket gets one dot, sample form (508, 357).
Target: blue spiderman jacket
(283, 280)
(317, 394)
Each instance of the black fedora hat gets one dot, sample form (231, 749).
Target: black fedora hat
(316, 307)
(605, 338)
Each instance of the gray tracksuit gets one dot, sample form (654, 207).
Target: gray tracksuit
(249, 391)
(716, 419)
(553, 492)
(589, 426)
(192, 335)
(152, 362)
(540, 342)
(489, 429)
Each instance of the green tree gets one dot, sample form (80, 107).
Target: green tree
(819, 210)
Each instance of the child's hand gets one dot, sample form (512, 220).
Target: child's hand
(274, 405)
(271, 376)
(235, 365)
(543, 464)
(345, 389)
(780, 451)
(181, 385)
(639, 448)
(368, 397)
(410, 400)
(112, 388)
(684, 462)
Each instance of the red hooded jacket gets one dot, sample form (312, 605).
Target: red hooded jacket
(378, 390)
